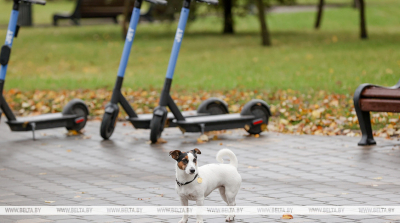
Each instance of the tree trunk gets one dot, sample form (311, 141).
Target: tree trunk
(319, 14)
(266, 40)
(125, 23)
(363, 24)
(228, 18)
(356, 4)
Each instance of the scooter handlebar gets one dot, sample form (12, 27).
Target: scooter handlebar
(38, 2)
(158, 2)
(211, 2)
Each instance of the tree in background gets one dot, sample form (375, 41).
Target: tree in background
(241, 7)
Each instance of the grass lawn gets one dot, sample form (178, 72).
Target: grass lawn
(332, 59)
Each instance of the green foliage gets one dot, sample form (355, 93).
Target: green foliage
(332, 59)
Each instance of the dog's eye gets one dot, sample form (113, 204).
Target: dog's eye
(184, 161)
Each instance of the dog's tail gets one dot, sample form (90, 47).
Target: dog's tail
(230, 154)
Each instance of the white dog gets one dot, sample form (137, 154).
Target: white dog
(195, 183)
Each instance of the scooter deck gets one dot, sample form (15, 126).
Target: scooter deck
(143, 121)
(215, 122)
(46, 121)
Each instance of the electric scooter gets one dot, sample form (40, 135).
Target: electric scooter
(211, 106)
(74, 114)
(253, 117)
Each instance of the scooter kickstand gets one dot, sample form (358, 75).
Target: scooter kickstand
(33, 126)
(202, 126)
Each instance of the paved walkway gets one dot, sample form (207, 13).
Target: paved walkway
(276, 170)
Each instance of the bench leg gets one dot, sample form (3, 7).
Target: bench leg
(364, 120)
(115, 19)
(55, 21)
(76, 21)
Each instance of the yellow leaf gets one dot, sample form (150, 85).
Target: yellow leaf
(287, 216)
(161, 141)
(73, 133)
(284, 121)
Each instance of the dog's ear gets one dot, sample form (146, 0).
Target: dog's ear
(175, 154)
(196, 151)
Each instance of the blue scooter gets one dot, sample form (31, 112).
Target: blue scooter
(212, 106)
(253, 117)
(74, 114)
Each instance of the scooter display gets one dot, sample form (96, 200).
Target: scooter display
(253, 117)
(74, 114)
(212, 106)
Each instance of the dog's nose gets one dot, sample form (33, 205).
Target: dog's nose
(192, 170)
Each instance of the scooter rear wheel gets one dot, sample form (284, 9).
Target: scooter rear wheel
(260, 111)
(156, 128)
(77, 107)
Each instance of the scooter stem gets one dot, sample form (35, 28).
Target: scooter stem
(178, 39)
(129, 38)
(175, 52)
(6, 49)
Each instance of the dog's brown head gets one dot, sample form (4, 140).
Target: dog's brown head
(187, 161)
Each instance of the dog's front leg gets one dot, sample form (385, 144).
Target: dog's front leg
(199, 203)
(184, 202)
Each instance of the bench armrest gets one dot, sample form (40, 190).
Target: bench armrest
(211, 2)
(38, 2)
(158, 2)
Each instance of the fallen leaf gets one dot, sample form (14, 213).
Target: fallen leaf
(161, 141)
(202, 139)
(73, 133)
(287, 216)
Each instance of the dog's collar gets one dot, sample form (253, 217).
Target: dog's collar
(182, 184)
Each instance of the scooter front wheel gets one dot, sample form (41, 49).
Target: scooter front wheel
(107, 125)
(213, 106)
(156, 128)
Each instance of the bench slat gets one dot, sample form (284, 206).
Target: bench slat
(375, 92)
(103, 10)
(379, 105)
(104, 3)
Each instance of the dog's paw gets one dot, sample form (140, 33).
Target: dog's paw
(183, 220)
(199, 221)
(230, 218)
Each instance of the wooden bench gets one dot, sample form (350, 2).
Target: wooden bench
(98, 9)
(371, 98)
